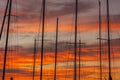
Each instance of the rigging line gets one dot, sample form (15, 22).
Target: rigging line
(16, 33)
(17, 23)
(34, 59)
(79, 57)
(40, 19)
(70, 49)
(10, 45)
(7, 37)
(67, 63)
(102, 51)
(4, 18)
(105, 59)
(1, 5)
(82, 62)
(113, 56)
(79, 51)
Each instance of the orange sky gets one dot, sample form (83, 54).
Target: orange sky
(27, 24)
(89, 64)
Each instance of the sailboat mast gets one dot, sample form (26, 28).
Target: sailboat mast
(34, 59)
(76, 15)
(100, 41)
(56, 49)
(109, 44)
(7, 37)
(42, 44)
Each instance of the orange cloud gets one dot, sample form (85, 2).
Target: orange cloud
(33, 28)
(23, 63)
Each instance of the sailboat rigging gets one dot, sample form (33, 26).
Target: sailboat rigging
(42, 43)
(75, 44)
(4, 18)
(8, 8)
(56, 49)
(100, 41)
(109, 44)
(34, 59)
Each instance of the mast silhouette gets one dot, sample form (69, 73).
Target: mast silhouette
(75, 44)
(100, 41)
(42, 45)
(35, 50)
(75, 41)
(11, 78)
(9, 4)
(56, 49)
(109, 44)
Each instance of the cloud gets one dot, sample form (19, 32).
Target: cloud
(20, 71)
(115, 19)
(32, 9)
(69, 8)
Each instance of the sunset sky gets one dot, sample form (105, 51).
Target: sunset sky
(27, 26)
